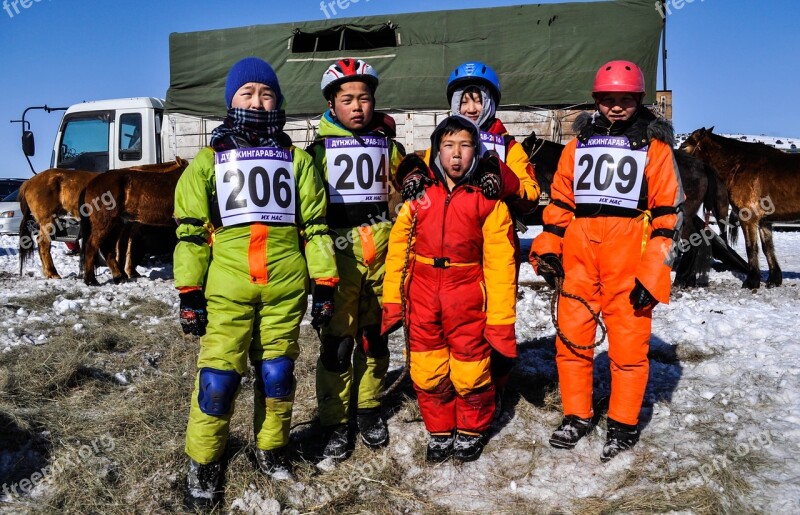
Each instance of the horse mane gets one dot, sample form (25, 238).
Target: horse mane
(744, 146)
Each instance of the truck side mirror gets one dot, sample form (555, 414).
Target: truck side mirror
(28, 144)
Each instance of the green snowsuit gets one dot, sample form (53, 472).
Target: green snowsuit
(353, 354)
(256, 282)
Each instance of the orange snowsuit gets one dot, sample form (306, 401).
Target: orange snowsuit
(461, 300)
(614, 214)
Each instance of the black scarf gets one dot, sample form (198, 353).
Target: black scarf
(250, 128)
(635, 129)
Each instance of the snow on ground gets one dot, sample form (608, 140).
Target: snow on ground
(723, 391)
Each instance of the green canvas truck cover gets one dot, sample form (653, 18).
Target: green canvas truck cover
(545, 54)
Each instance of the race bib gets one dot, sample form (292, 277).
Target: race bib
(608, 172)
(358, 172)
(494, 142)
(255, 185)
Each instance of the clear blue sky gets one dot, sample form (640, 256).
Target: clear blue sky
(732, 63)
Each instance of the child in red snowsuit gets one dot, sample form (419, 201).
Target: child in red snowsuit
(460, 290)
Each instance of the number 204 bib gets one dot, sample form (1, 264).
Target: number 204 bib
(357, 172)
(255, 185)
(608, 172)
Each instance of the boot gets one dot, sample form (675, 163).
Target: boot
(338, 443)
(440, 447)
(274, 463)
(373, 429)
(619, 437)
(468, 446)
(203, 486)
(571, 430)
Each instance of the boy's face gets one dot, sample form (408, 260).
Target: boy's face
(617, 107)
(472, 105)
(256, 96)
(456, 152)
(353, 105)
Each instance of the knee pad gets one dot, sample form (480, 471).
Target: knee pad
(373, 344)
(337, 353)
(217, 390)
(275, 377)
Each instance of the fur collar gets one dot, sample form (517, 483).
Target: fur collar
(646, 128)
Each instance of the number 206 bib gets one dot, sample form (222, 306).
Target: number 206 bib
(357, 172)
(255, 185)
(608, 172)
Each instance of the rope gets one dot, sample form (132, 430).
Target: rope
(535, 150)
(404, 306)
(558, 292)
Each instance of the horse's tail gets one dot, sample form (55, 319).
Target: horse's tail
(733, 227)
(25, 235)
(85, 230)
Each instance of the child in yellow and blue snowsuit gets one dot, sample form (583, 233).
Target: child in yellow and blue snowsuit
(356, 158)
(246, 206)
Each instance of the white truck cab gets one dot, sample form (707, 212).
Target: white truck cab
(104, 135)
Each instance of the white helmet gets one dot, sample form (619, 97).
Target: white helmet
(347, 70)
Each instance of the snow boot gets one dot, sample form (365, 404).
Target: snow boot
(468, 446)
(440, 447)
(337, 443)
(571, 430)
(619, 437)
(203, 486)
(274, 464)
(373, 429)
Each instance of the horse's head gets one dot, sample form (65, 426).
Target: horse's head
(692, 143)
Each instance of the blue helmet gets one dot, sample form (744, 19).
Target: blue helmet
(474, 72)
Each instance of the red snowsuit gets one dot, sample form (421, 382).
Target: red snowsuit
(461, 301)
(598, 220)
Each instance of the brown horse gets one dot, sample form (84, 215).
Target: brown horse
(121, 199)
(46, 198)
(763, 186)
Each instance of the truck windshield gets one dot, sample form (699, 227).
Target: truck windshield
(84, 142)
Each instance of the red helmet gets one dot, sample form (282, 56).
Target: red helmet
(346, 70)
(619, 77)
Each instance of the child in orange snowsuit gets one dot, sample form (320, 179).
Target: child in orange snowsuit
(616, 208)
(460, 290)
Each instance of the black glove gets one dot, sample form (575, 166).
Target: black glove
(194, 317)
(412, 174)
(489, 180)
(550, 269)
(321, 305)
(641, 298)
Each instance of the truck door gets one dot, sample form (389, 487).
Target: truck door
(133, 143)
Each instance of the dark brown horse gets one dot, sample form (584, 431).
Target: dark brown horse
(702, 188)
(120, 199)
(47, 198)
(763, 186)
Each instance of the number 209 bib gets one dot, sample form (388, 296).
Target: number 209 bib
(255, 185)
(608, 172)
(357, 172)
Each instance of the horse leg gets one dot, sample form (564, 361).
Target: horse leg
(43, 240)
(775, 275)
(750, 230)
(684, 271)
(133, 253)
(108, 247)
